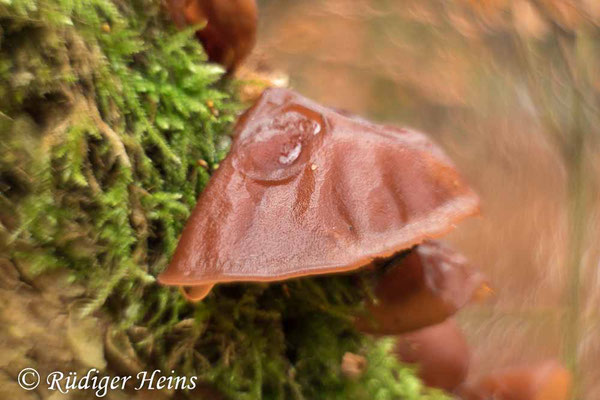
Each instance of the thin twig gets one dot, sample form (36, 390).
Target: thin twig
(110, 134)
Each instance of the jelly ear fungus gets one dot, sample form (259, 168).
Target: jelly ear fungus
(440, 353)
(421, 288)
(547, 380)
(228, 31)
(307, 191)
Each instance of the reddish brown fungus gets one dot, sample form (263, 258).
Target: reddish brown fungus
(307, 191)
(440, 353)
(196, 293)
(548, 380)
(229, 33)
(423, 288)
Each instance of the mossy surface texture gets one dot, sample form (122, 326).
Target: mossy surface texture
(105, 111)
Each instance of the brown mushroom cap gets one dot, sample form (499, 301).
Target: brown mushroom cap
(548, 380)
(423, 288)
(230, 31)
(440, 352)
(307, 191)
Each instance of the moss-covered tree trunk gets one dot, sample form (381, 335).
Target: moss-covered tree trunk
(105, 115)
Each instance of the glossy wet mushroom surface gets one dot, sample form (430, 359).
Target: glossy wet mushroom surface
(439, 352)
(228, 27)
(307, 191)
(546, 380)
(420, 288)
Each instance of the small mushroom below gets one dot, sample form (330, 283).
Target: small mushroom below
(440, 353)
(268, 215)
(547, 380)
(422, 288)
(230, 27)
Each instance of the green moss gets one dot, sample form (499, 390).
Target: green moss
(104, 114)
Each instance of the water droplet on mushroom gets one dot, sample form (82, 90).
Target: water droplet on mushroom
(290, 154)
(317, 128)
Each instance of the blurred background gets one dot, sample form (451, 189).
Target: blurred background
(511, 89)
